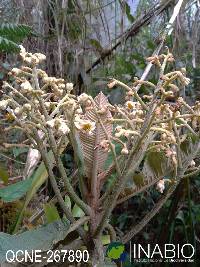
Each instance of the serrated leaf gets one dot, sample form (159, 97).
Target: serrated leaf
(94, 156)
(15, 191)
(77, 212)
(51, 212)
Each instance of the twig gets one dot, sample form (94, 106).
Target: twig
(134, 91)
(132, 31)
(17, 161)
(54, 184)
(59, 163)
(136, 229)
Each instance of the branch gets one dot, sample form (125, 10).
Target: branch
(136, 229)
(134, 29)
(59, 163)
(54, 183)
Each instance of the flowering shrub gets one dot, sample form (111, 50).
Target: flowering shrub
(158, 140)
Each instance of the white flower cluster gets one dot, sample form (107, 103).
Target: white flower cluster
(29, 58)
(60, 126)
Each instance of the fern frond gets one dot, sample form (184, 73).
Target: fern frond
(8, 45)
(11, 35)
(15, 32)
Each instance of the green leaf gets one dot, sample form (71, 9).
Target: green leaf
(4, 174)
(38, 178)
(19, 150)
(77, 212)
(2, 75)
(96, 44)
(11, 35)
(15, 191)
(43, 238)
(15, 32)
(156, 162)
(151, 44)
(138, 179)
(7, 45)
(51, 212)
(128, 13)
(188, 145)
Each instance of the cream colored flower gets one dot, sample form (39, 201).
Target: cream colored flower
(47, 105)
(16, 71)
(61, 85)
(40, 56)
(192, 163)
(18, 110)
(27, 107)
(105, 145)
(63, 128)
(86, 126)
(161, 186)
(60, 126)
(51, 123)
(4, 104)
(47, 79)
(26, 86)
(79, 110)
(69, 87)
(83, 98)
(130, 105)
(120, 133)
(34, 58)
(22, 50)
(118, 128)
(124, 150)
(42, 73)
(5, 85)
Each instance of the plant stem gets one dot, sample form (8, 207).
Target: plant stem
(60, 166)
(136, 229)
(54, 184)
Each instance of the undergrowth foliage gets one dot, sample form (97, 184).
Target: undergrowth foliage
(11, 35)
(147, 141)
